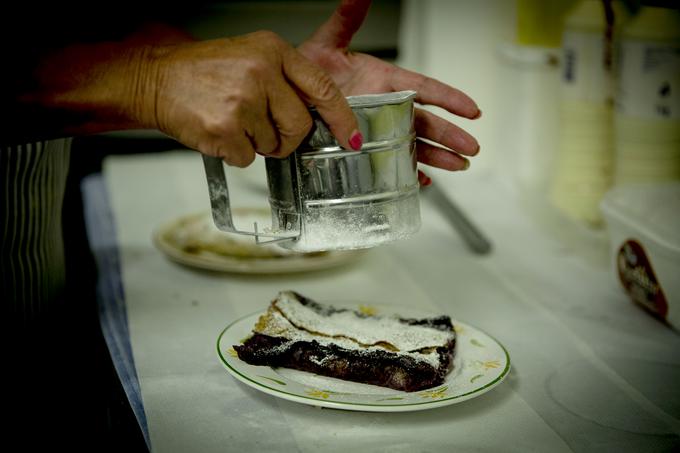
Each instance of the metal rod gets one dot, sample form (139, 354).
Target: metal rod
(473, 237)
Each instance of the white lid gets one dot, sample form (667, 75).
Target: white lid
(652, 210)
(588, 15)
(653, 23)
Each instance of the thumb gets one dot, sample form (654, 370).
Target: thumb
(317, 88)
(338, 30)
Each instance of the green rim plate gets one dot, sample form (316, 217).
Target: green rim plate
(481, 364)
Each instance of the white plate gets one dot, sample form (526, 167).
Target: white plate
(239, 253)
(481, 363)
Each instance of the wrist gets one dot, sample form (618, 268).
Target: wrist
(140, 96)
(87, 89)
(122, 91)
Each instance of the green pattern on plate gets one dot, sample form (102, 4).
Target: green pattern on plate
(272, 379)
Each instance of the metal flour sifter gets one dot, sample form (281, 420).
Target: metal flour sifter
(324, 197)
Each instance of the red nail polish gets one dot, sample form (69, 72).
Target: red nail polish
(356, 140)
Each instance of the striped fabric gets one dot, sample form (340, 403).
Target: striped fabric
(32, 184)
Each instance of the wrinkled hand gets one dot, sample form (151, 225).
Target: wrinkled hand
(357, 73)
(232, 98)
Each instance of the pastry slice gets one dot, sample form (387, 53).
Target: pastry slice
(403, 354)
(198, 235)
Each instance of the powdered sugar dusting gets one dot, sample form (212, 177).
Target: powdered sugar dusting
(357, 226)
(288, 318)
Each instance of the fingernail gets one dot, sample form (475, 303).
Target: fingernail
(466, 165)
(478, 115)
(356, 140)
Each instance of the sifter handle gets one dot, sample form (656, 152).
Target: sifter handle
(221, 204)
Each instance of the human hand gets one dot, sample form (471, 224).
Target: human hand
(357, 73)
(231, 98)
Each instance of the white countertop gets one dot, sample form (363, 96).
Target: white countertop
(590, 371)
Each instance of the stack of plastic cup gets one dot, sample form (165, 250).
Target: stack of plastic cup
(647, 120)
(585, 159)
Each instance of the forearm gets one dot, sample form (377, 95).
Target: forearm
(87, 88)
(228, 97)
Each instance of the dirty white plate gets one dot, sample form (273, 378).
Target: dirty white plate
(481, 363)
(193, 240)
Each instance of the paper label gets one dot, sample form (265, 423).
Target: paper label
(584, 77)
(649, 81)
(638, 278)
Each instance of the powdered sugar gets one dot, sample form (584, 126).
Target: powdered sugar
(288, 318)
(348, 226)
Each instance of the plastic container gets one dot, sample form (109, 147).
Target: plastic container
(644, 230)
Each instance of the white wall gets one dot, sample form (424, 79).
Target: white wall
(457, 42)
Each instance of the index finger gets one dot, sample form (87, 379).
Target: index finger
(433, 92)
(338, 30)
(318, 89)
